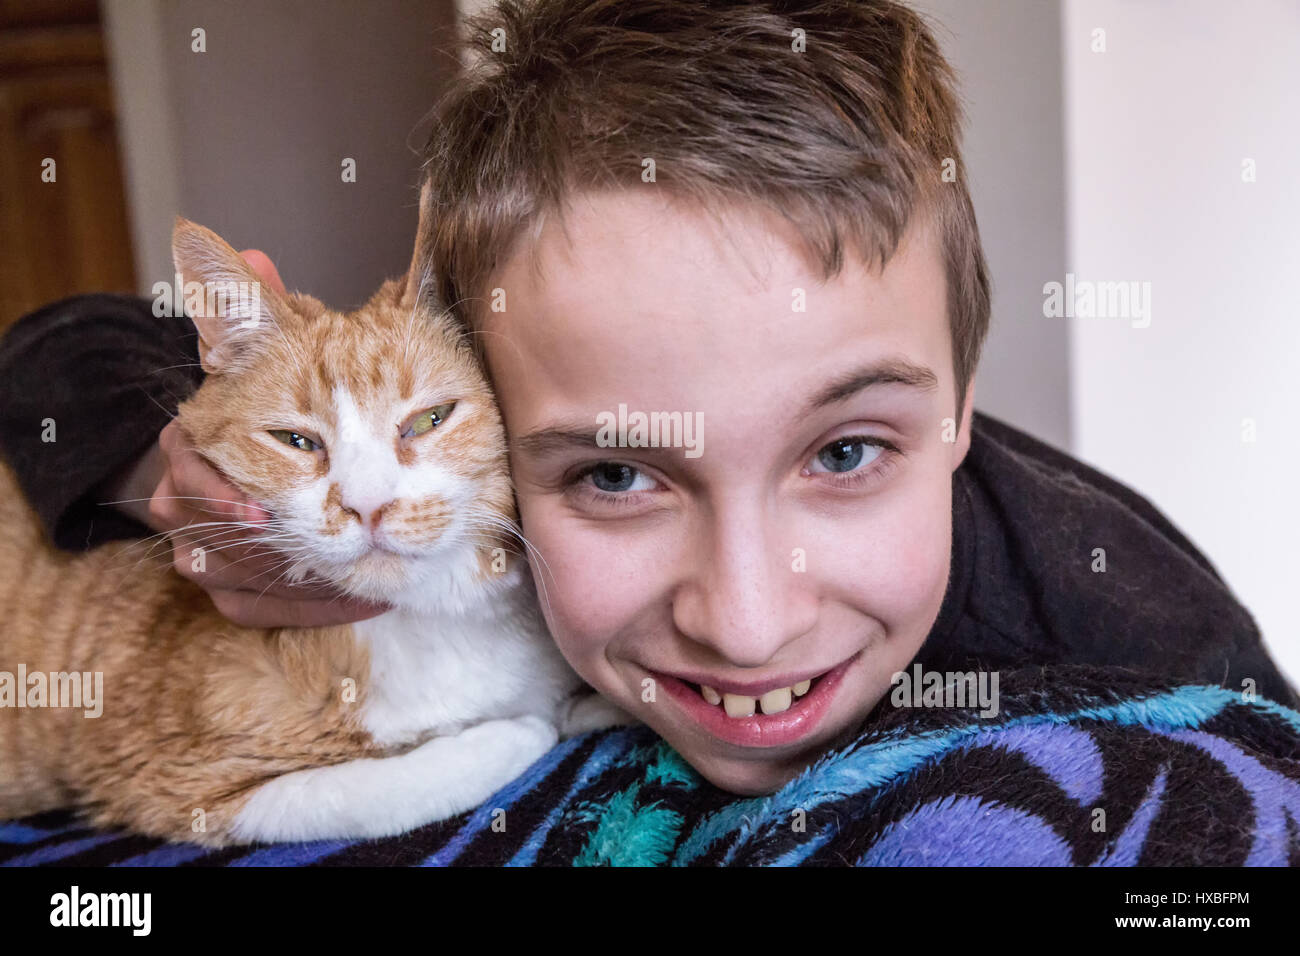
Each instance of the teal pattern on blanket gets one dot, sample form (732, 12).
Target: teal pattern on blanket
(1080, 767)
(632, 832)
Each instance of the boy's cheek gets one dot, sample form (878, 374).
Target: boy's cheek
(884, 570)
(588, 590)
(893, 562)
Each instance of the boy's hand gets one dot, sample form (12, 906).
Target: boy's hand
(243, 578)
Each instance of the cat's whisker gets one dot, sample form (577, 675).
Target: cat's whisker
(167, 368)
(270, 543)
(292, 566)
(231, 523)
(416, 312)
(497, 522)
(170, 414)
(472, 332)
(122, 501)
(153, 551)
(161, 559)
(206, 542)
(285, 568)
(214, 511)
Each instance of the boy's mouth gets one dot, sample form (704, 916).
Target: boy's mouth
(757, 715)
(776, 701)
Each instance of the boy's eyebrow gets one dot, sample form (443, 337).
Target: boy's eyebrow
(562, 436)
(558, 437)
(555, 438)
(894, 371)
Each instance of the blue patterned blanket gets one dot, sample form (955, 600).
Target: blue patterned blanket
(1079, 768)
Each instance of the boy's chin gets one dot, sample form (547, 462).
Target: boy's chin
(750, 776)
(747, 778)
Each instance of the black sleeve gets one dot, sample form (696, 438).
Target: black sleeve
(1025, 444)
(107, 375)
(1160, 606)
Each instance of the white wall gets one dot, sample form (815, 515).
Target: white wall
(1157, 128)
(1007, 56)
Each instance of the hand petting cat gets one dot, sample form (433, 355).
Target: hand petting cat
(173, 488)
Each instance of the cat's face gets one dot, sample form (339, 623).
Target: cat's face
(371, 437)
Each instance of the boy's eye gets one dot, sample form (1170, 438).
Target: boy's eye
(428, 420)
(613, 478)
(295, 440)
(845, 455)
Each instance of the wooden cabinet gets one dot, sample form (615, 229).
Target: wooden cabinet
(70, 235)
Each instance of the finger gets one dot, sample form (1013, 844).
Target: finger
(165, 511)
(188, 475)
(209, 494)
(223, 558)
(261, 264)
(168, 437)
(218, 559)
(249, 609)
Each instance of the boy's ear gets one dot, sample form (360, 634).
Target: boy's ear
(229, 304)
(419, 278)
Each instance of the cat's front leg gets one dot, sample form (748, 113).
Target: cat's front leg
(590, 711)
(379, 797)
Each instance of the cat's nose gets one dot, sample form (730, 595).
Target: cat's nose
(368, 512)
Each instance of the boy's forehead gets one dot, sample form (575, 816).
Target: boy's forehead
(636, 276)
(598, 227)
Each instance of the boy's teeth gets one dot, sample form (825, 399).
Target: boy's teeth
(773, 702)
(737, 705)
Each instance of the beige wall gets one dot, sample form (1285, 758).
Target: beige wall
(248, 138)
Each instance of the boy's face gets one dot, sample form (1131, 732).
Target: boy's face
(804, 535)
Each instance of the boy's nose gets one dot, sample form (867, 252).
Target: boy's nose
(744, 600)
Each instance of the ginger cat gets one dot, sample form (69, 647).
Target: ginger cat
(374, 441)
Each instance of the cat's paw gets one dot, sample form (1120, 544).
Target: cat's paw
(513, 744)
(590, 712)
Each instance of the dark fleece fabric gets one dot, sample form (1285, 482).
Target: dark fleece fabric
(1080, 766)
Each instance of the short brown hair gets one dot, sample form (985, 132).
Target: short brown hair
(847, 139)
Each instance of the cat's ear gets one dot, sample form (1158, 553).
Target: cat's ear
(231, 307)
(419, 277)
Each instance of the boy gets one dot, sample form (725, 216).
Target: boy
(733, 215)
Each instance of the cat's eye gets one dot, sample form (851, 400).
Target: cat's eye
(295, 440)
(428, 420)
